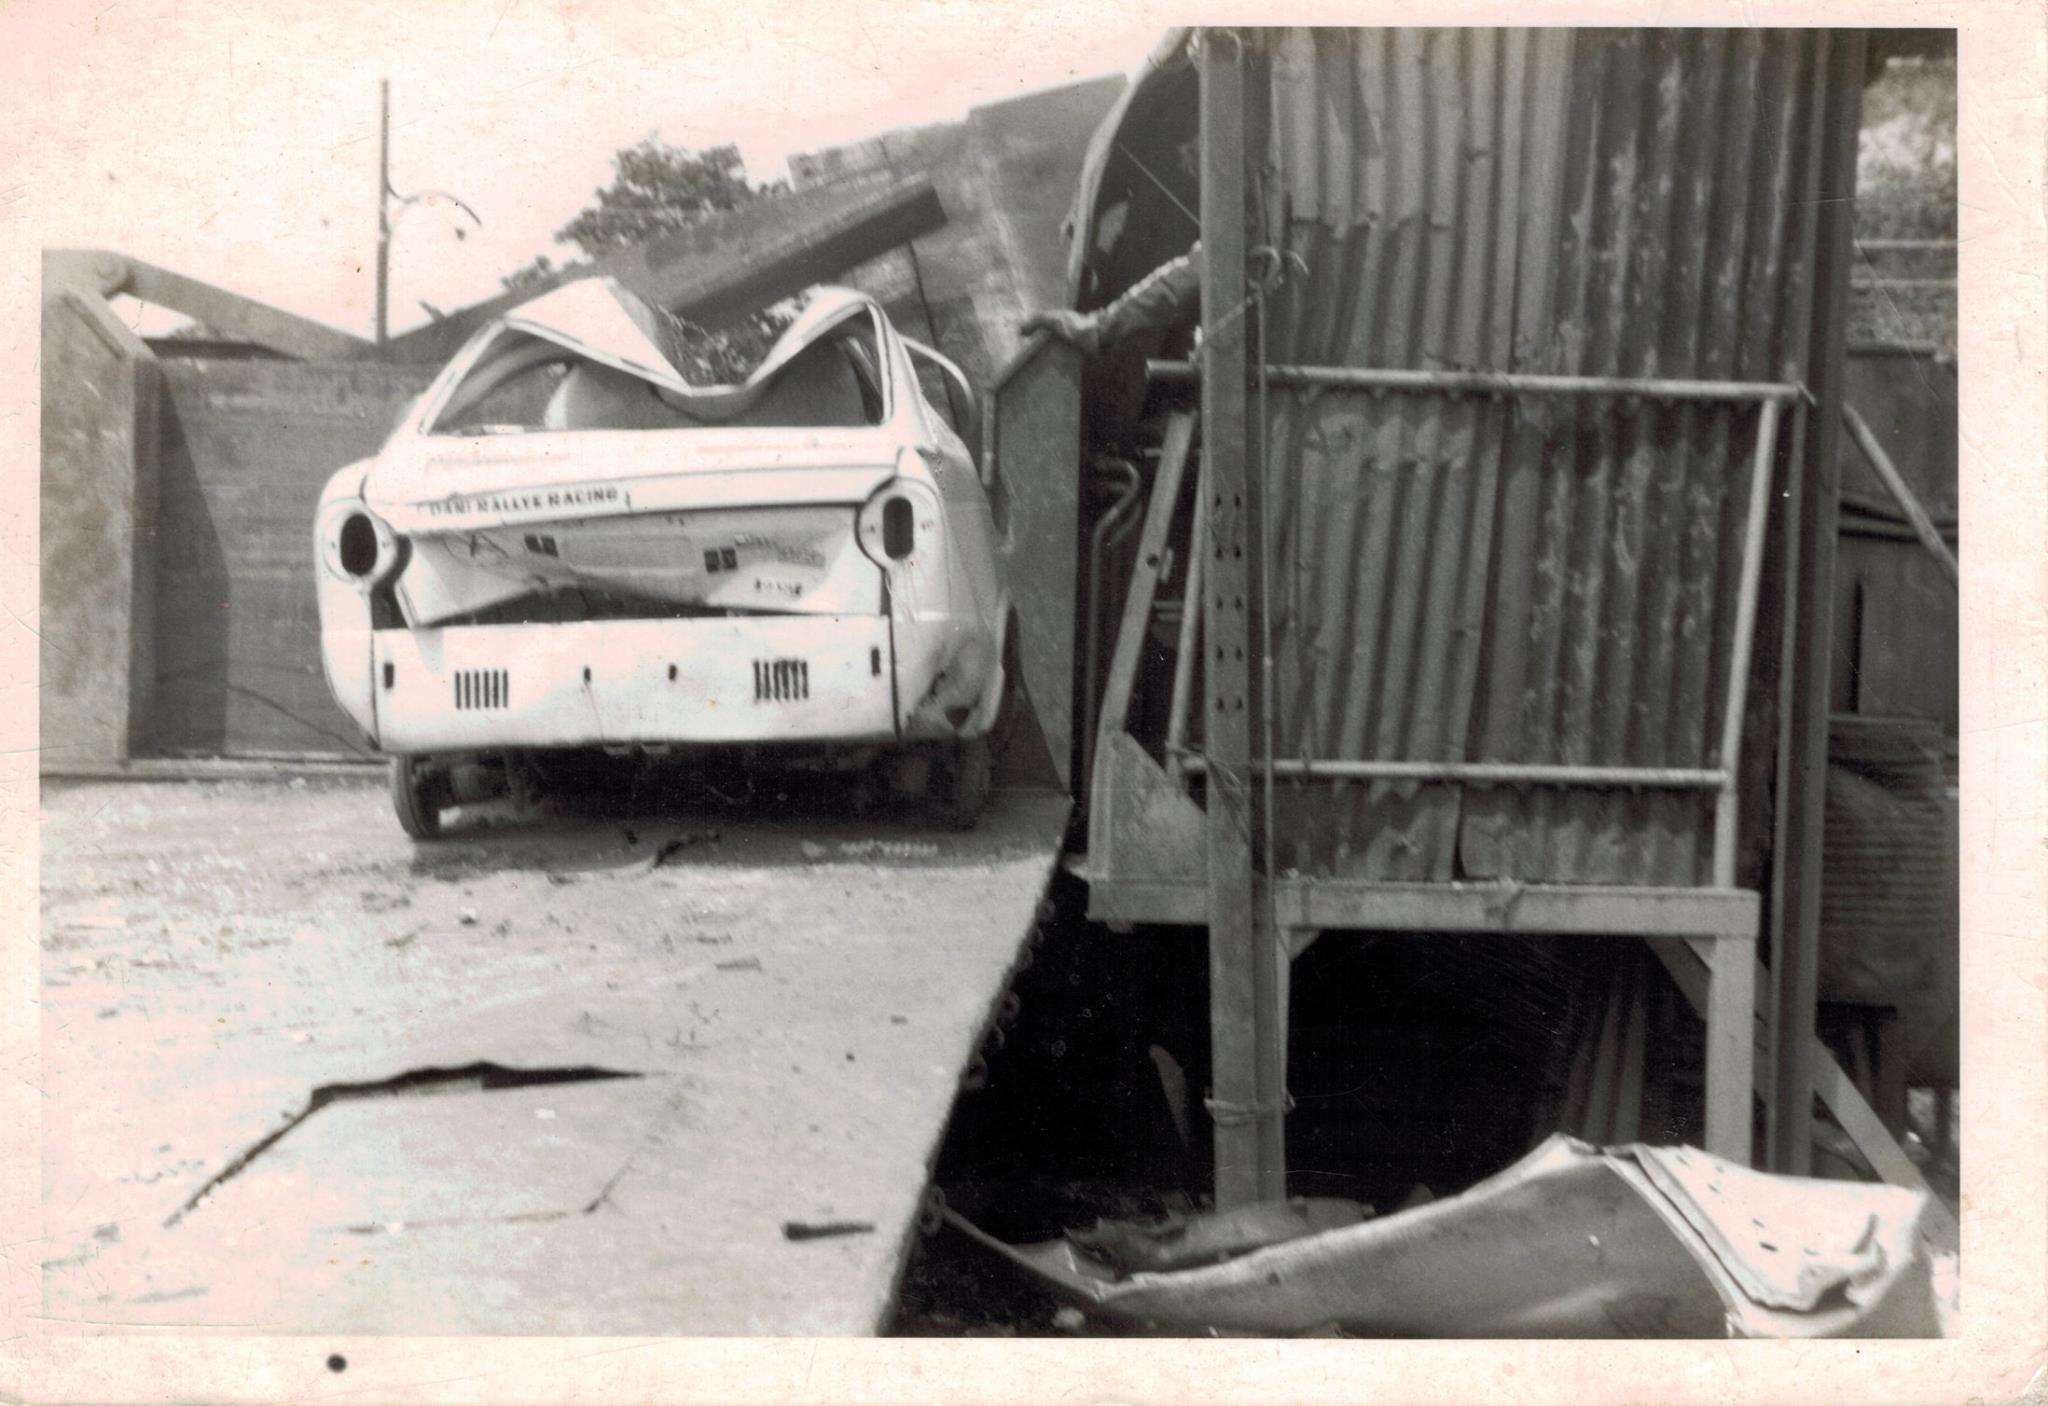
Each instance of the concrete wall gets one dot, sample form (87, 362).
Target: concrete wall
(98, 507)
(246, 448)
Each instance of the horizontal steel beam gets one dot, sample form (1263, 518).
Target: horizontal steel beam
(1383, 378)
(1488, 773)
(1558, 910)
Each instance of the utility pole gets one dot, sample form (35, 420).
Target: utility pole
(383, 205)
(385, 196)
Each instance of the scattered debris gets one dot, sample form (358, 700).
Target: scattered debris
(888, 849)
(1069, 1319)
(561, 880)
(741, 964)
(403, 940)
(467, 917)
(823, 1230)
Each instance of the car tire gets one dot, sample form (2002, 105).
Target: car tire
(416, 797)
(963, 784)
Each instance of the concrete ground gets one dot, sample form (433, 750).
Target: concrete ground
(797, 988)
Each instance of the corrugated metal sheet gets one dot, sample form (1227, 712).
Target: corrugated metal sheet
(1519, 579)
(1686, 157)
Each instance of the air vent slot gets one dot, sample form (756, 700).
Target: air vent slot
(482, 688)
(781, 680)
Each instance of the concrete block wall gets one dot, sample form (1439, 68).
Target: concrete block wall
(101, 392)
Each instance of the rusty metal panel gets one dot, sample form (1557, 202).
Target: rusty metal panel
(246, 447)
(1527, 580)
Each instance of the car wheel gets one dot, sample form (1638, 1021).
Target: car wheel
(416, 795)
(963, 784)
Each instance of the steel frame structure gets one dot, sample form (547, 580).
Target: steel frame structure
(1157, 857)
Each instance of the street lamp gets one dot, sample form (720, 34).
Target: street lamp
(386, 196)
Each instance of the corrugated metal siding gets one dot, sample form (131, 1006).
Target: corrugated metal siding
(1546, 581)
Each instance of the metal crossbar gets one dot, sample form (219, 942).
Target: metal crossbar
(1484, 773)
(1387, 378)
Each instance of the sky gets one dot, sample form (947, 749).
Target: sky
(237, 141)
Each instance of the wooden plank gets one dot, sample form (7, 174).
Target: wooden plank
(1130, 635)
(1731, 1047)
(1244, 996)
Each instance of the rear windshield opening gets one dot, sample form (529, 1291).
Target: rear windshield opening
(525, 383)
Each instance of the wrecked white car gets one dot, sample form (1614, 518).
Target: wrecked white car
(580, 537)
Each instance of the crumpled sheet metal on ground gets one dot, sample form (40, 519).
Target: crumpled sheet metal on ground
(1572, 1241)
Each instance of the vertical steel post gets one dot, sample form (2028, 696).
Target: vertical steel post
(1803, 730)
(1245, 1099)
(1753, 548)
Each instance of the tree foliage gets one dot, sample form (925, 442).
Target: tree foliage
(655, 189)
(1906, 190)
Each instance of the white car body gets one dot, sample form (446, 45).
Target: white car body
(654, 563)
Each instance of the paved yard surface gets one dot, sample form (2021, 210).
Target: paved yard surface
(796, 988)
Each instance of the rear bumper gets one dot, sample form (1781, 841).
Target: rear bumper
(779, 679)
